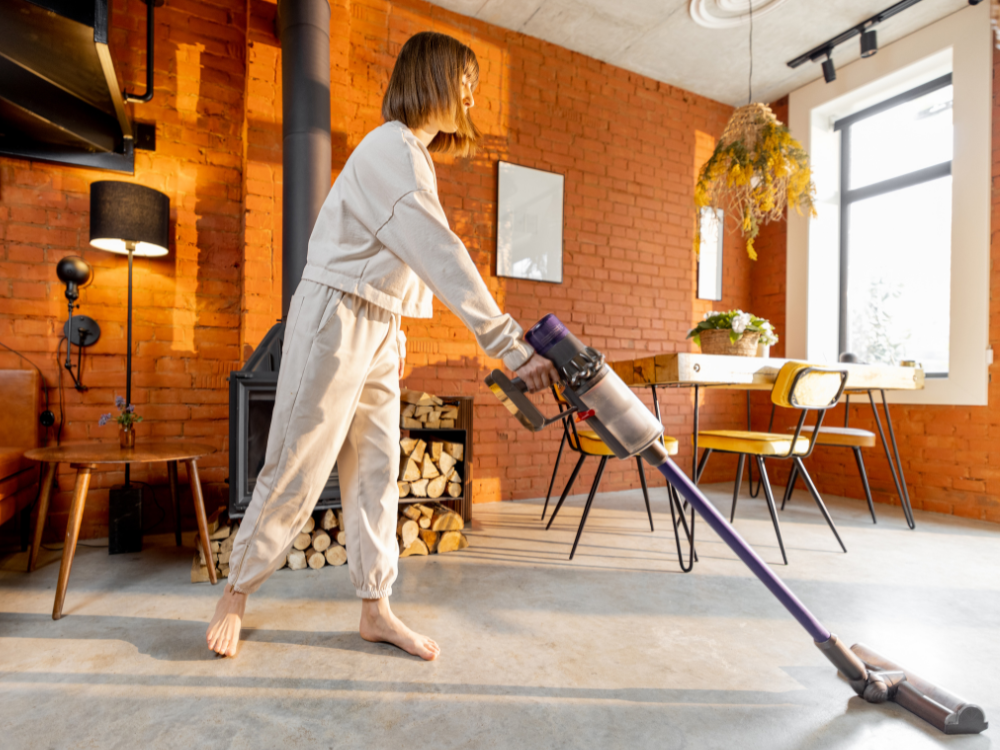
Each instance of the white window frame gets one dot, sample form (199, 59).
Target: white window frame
(962, 45)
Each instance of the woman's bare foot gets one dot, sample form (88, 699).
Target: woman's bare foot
(223, 634)
(379, 624)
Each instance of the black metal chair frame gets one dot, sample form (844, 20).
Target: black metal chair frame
(797, 459)
(571, 436)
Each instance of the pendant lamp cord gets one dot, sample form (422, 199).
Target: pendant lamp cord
(750, 78)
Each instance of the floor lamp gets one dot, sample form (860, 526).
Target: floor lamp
(130, 220)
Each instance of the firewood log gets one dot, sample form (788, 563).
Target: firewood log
(449, 412)
(404, 488)
(429, 470)
(296, 559)
(454, 489)
(451, 541)
(418, 451)
(224, 557)
(407, 445)
(425, 510)
(424, 522)
(446, 519)
(455, 450)
(423, 411)
(407, 530)
(315, 559)
(321, 540)
(336, 555)
(411, 512)
(342, 538)
(223, 572)
(302, 541)
(219, 534)
(436, 449)
(419, 488)
(455, 476)
(329, 520)
(310, 525)
(199, 572)
(411, 471)
(447, 462)
(437, 486)
(430, 538)
(416, 547)
(408, 423)
(447, 424)
(408, 410)
(216, 519)
(419, 398)
(433, 425)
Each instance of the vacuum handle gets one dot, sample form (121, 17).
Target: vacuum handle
(512, 395)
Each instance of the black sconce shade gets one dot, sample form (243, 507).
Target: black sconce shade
(869, 43)
(122, 212)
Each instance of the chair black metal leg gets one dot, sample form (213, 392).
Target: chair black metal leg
(770, 506)
(677, 537)
(739, 483)
(682, 521)
(590, 500)
(819, 501)
(793, 477)
(864, 481)
(701, 464)
(645, 491)
(565, 492)
(554, 470)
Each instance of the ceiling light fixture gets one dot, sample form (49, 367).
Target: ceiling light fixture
(869, 42)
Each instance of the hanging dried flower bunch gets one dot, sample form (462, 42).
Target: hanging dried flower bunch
(756, 169)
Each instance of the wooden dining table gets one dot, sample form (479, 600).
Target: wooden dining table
(696, 370)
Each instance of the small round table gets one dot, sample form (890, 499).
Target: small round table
(86, 457)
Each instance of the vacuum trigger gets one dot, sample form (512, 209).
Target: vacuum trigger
(584, 415)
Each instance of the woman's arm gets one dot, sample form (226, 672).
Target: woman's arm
(419, 235)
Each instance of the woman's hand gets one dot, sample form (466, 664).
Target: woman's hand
(538, 372)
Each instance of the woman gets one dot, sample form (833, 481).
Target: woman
(380, 248)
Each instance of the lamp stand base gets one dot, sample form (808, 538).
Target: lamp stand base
(125, 519)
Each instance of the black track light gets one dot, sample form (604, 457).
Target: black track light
(869, 43)
(829, 72)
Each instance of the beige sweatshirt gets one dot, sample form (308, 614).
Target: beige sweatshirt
(382, 235)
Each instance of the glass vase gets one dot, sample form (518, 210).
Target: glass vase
(126, 437)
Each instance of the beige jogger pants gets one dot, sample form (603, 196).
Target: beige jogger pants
(337, 401)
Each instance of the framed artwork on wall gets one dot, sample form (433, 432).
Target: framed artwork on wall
(710, 226)
(529, 223)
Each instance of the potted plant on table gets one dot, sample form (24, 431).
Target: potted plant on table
(734, 332)
(126, 419)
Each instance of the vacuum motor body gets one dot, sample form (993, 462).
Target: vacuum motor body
(601, 398)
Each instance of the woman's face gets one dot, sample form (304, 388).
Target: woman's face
(447, 123)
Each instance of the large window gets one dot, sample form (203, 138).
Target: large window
(896, 227)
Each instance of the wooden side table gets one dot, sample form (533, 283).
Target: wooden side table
(85, 458)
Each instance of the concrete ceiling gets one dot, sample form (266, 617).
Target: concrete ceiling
(660, 39)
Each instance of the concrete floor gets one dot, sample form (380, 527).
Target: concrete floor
(616, 649)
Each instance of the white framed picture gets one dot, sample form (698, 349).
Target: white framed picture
(529, 223)
(710, 226)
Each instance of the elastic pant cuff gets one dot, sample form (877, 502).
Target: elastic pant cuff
(373, 593)
(239, 589)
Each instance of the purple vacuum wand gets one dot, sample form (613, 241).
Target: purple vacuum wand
(620, 419)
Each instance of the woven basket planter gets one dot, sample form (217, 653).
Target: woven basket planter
(717, 342)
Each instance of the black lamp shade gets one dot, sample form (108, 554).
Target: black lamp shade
(869, 43)
(121, 212)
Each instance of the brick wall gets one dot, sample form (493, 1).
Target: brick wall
(950, 454)
(628, 146)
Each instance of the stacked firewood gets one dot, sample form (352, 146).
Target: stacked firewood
(423, 411)
(319, 543)
(221, 536)
(425, 529)
(430, 470)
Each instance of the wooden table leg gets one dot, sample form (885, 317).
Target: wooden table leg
(199, 512)
(43, 511)
(72, 534)
(172, 476)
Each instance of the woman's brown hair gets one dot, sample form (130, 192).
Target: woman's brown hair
(427, 81)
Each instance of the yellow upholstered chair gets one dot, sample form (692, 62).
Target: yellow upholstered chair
(798, 386)
(839, 437)
(587, 443)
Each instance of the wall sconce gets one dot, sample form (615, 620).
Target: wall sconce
(81, 330)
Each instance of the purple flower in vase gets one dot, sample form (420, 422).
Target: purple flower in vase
(119, 402)
(105, 418)
(131, 408)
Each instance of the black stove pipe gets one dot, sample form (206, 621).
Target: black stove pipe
(304, 30)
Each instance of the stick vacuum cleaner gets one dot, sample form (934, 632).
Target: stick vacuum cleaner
(596, 394)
